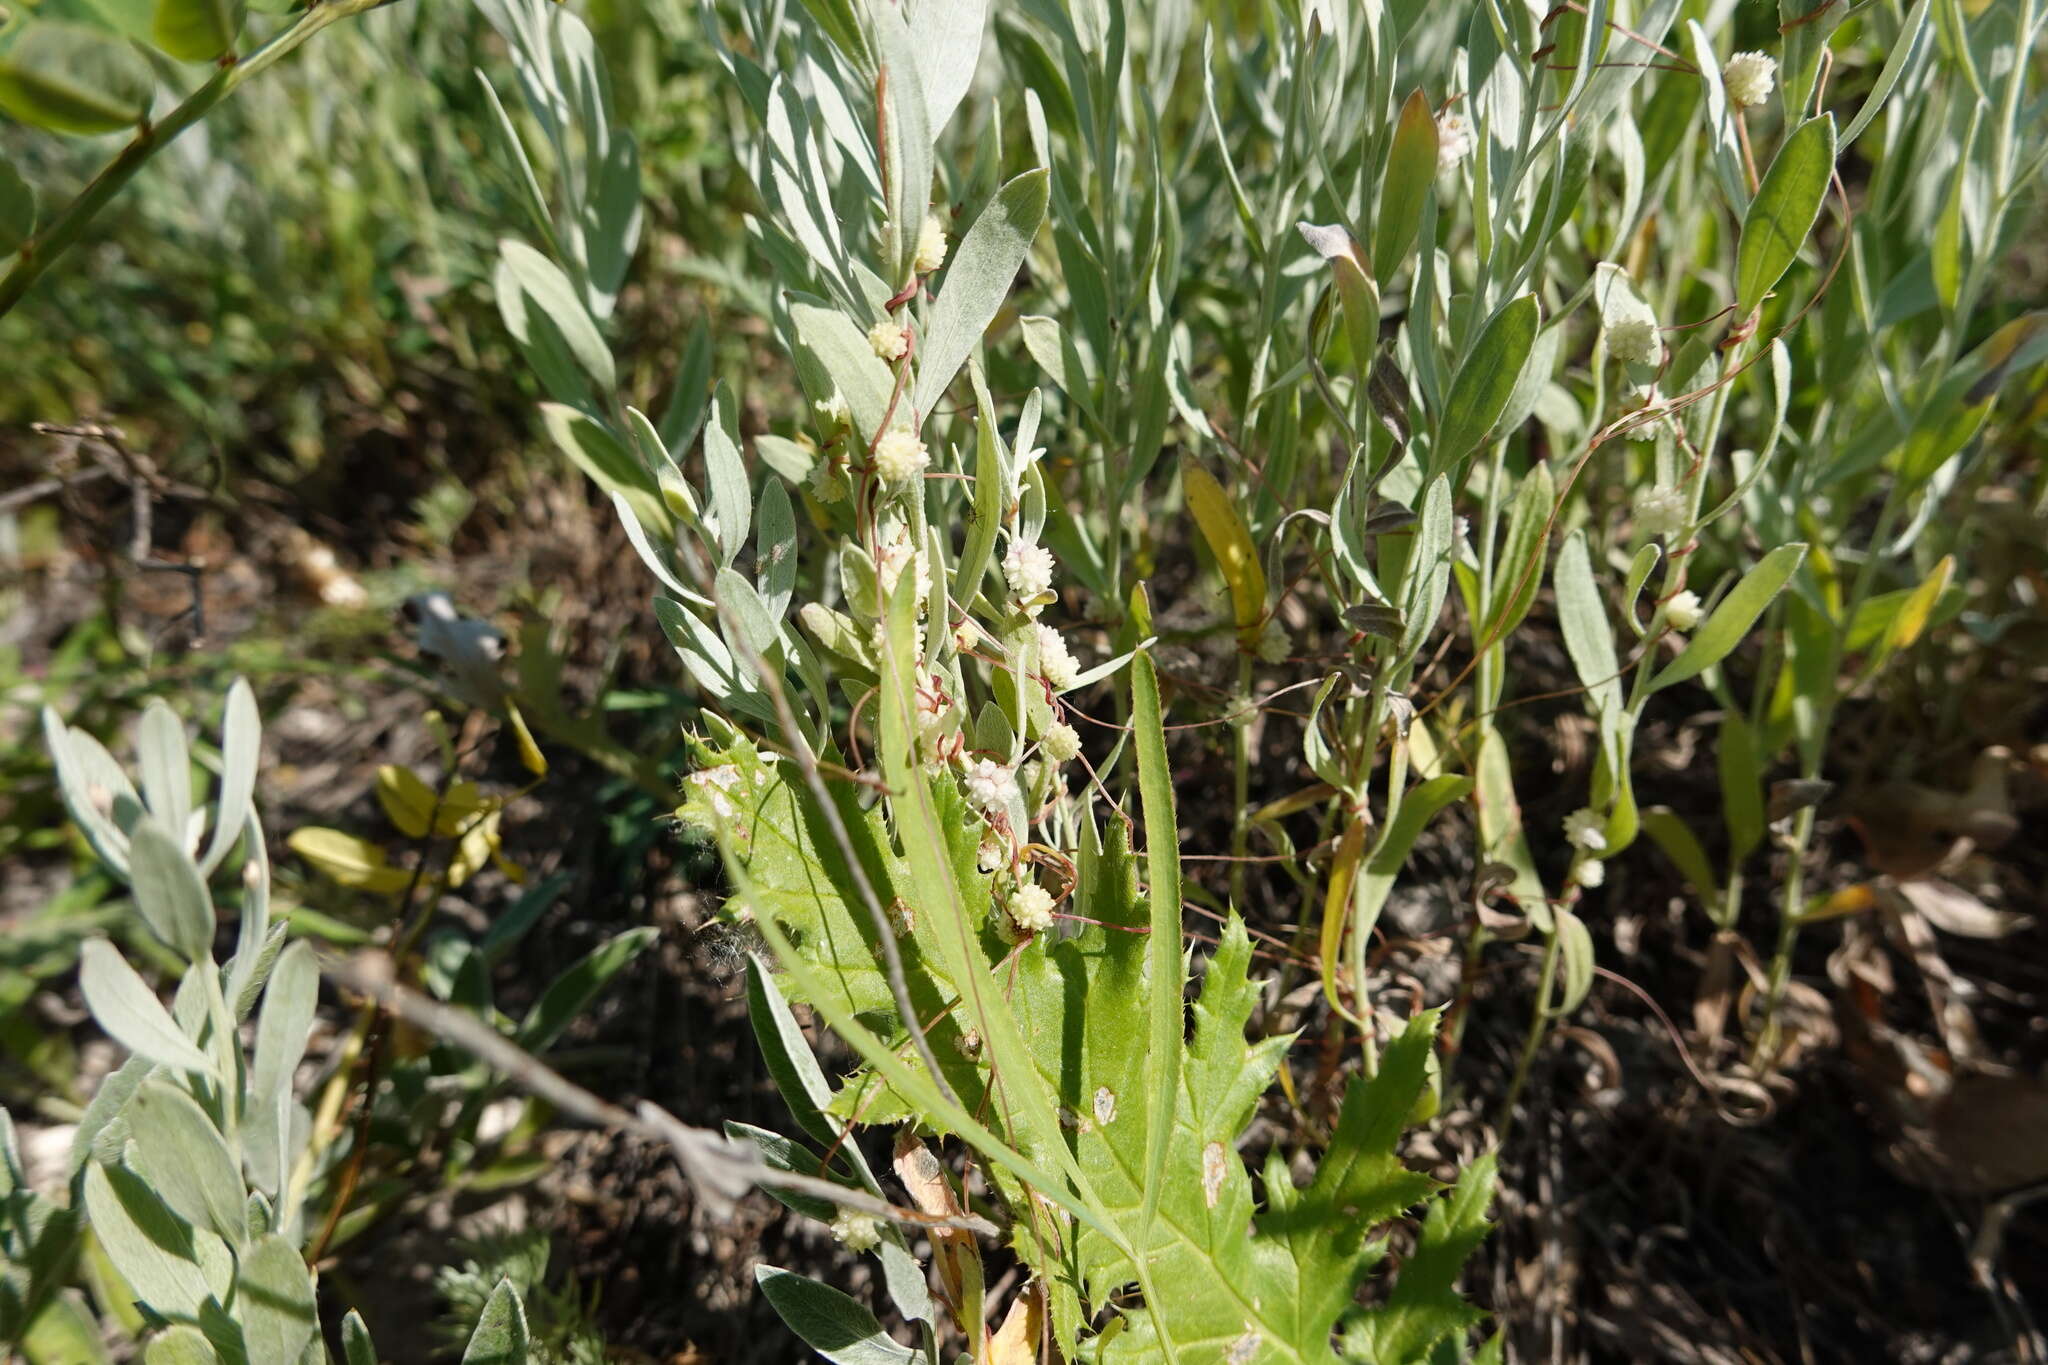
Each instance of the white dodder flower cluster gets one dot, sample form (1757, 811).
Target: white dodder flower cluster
(1056, 664)
(856, 1231)
(1682, 612)
(1027, 568)
(931, 245)
(1453, 141)
(989, 784)
(1586, 829)
(1749, 78)
(1030, 908)
(1635, 341)
(900, 457)
(1660, 513)
(888, 340)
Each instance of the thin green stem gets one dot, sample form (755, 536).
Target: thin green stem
(1539, 1021)
(69, 225)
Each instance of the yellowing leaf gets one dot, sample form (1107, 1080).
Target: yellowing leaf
(530, 755)
(1230, 542)
(407, 801)
(1918, 609)
(1337, 909)
(1016, 1341)
(354, 863)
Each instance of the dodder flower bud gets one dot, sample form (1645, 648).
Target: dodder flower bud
(1682, 612)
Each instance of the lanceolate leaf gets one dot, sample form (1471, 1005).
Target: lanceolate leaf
(1411, 172)
(130, 1012)
(1722, 631)
(185, 1160)
(1485, 381)
(1782, 214)
(983, 267)
(830, 1323)
(173, 899)
(1163, 964)
(1223, 528)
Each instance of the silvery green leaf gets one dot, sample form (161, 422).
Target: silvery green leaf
(732, 505)
(500, 1337)
(948, 46)
(690, 399)
(1429, 570)
(241, 739)
(253, 933)
(841, 350)
(1485, 381)
(1733, 617)
(356, 1347)
(977, 282)
(274, 1300)
(130, 1012)
(775, 548)
(543, 311)
(1582, 615)
(1781, 217)
(92, 784)
(281, 1031)
(710, 663)
(172, 1267)
(260, 1218)
(165, 763)
(656, 562)
(175, 1146)
(906, 140)
(180, 1344)
(612, 220)
(169, 892)
(782, 1154)
(829, 1322)
(102, 1115)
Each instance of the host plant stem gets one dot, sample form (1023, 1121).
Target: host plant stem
(2026, 19)
(65, 229)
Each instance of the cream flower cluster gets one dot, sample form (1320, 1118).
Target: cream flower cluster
(900, 457)
(888, 340)
(931, 245)
(1030, 908)
(1056, 663)
(1027, 568)
(1453, 141)
(1749, 78)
